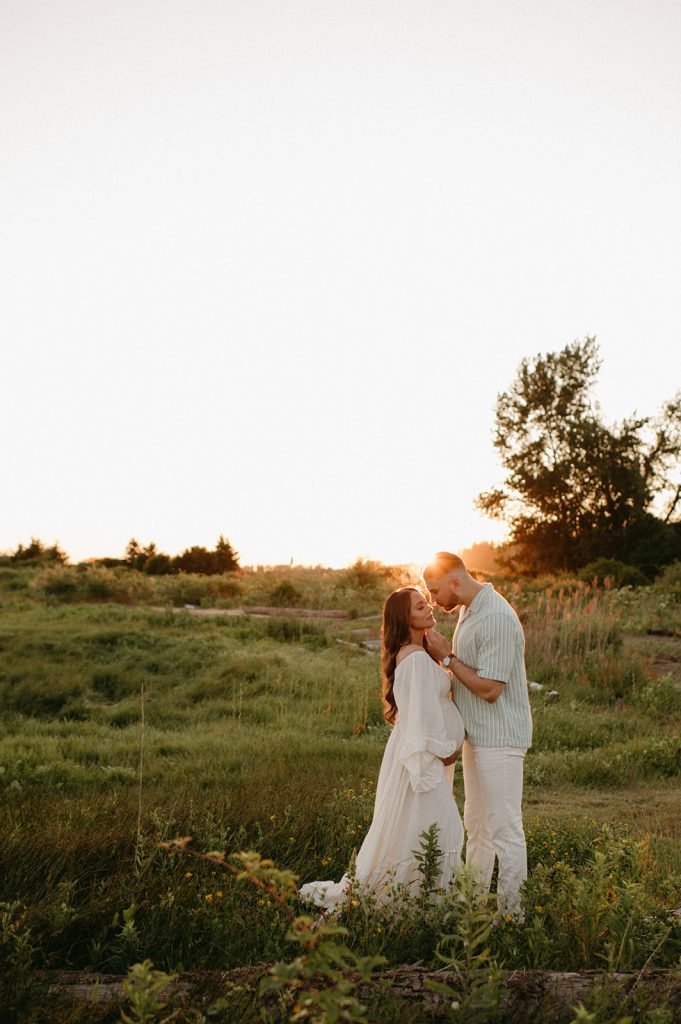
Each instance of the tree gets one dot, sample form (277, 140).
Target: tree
(226, 558)
(482, 557)
(37, 554)
(134, 555)
(195, 559)
(576, 489)
(209, 563)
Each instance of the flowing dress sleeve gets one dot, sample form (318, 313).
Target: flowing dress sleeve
(422, 725)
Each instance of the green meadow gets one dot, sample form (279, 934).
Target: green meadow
(129, 719)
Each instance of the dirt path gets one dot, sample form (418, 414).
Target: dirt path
(257, 612)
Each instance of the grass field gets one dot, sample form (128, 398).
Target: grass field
(267, 733)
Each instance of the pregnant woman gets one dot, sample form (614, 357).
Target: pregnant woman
(414, 787)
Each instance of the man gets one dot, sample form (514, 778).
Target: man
(487, 658)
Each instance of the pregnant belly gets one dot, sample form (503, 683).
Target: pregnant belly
(453, 722)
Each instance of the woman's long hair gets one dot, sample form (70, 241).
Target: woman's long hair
(395, 632)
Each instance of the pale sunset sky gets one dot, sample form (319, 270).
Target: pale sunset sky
(267, 264)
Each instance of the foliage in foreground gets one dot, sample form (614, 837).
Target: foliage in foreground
(267, 734)
(600, 910)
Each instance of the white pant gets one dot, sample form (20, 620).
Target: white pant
(493, 785)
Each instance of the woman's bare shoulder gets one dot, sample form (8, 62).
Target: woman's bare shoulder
(408, 649)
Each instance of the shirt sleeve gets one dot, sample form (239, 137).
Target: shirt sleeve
(499, 637)
(424, 735)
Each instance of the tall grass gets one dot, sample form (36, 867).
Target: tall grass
(267, 734)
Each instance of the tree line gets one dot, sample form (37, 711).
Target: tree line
(196, 559)
(147, 559)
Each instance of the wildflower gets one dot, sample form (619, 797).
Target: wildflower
(189, 874)
(326, 860)
(208, 897)
(508, 917)
(219, 894)
(540, 910)
(354, 903)
(273, 817)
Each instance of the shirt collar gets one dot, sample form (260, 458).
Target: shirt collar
(479, 601)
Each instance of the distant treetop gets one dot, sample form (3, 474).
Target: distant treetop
(195, 559)
(36, 553)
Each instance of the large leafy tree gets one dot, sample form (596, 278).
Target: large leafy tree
(576, 488)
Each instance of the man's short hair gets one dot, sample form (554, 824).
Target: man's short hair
(443, 563)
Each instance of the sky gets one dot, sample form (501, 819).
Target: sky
(267, 264)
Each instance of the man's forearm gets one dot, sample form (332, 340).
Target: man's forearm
(487, 689)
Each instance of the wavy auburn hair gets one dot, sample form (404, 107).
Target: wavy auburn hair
(394, 634)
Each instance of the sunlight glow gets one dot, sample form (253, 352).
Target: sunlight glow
(268, 266)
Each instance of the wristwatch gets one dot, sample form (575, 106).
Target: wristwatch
(447, 660)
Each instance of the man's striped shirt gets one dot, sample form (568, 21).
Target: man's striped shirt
(490, 639)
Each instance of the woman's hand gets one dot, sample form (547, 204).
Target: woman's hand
(451, 759)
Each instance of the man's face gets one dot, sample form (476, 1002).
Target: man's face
(444, 591)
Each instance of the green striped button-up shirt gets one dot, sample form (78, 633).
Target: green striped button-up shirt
(490, 639)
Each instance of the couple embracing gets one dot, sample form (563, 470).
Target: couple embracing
(469, 699)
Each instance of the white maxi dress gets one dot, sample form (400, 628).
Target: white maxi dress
(414, 789)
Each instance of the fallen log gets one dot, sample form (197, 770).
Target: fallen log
(298, 613)
(527, 991)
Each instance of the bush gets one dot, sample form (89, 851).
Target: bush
(365, 574)
(661, 698)
(620, 575)
(285, 595)
(669, 580)
(13, 580)
(297, 631)
(91, 584)
(192, 588)
(61, 583)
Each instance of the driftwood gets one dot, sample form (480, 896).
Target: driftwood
(524, 992)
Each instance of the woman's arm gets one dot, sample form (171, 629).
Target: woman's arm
(425, 744)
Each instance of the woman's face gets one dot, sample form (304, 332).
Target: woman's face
(421, 613)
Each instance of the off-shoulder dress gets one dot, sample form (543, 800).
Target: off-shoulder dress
(414, 789)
